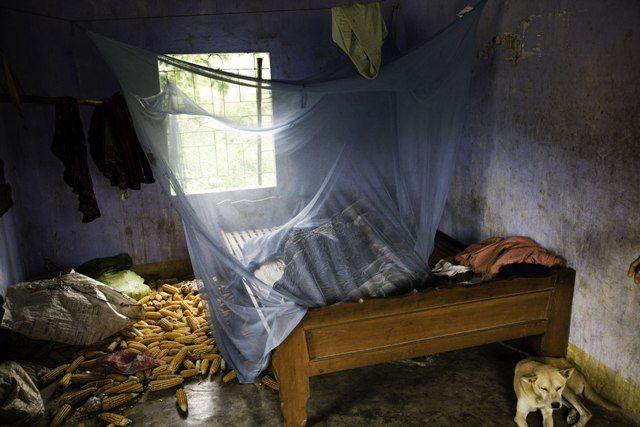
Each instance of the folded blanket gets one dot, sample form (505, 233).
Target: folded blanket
(489, 256)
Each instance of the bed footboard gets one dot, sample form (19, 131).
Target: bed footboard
(350, 335)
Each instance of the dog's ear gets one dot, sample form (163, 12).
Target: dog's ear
(531, 378)
(566, 372)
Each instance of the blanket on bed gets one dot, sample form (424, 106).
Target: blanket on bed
(356, 255)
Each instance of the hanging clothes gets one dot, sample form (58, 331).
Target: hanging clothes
(115, 148)
(9, 82)
(69, 146)
(359, 30)
(5, 192)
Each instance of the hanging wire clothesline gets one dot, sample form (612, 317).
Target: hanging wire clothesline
(185, 15)
(33, 99)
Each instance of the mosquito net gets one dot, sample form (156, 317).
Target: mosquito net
(306, 193)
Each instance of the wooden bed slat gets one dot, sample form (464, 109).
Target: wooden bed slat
(425, 324)
(425, 347)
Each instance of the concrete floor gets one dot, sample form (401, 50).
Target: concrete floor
(469, 387)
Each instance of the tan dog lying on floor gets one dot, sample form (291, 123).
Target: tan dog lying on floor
(542, 382)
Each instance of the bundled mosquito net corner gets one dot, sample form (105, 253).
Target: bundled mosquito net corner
(300, 194)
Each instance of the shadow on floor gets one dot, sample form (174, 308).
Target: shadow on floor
(471, 387)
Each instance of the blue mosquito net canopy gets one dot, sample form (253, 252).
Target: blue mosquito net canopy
(300, 194)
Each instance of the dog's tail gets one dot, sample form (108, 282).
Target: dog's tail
(593, 396)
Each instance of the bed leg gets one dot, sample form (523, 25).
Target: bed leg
(290, 363)
(556, 339)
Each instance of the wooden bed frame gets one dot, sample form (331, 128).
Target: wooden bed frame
(350, 334)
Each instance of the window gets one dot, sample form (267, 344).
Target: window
(214, 160)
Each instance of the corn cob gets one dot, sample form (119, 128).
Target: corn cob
(144, 299)
(165, 324)
(204, 328)
(181, 400)
(61, 416)
(192, 322)
(188, 364)
(201, 351)
(97, 384)
(115, 419)
(167, 376)
(126, 387)
(117, 377)
(74, 365)
(140, 375)
(65, 380)
(160, 370)
(153, 315)
(168, 313)
(123, 345)
(163, 384)
(76, 397)
(177, 360)
(204, 366)
(162, 353)
(127, 333)
(93, 354)
(53, 374)
(165, 295)
(174, 351)
(153, 345)
(154, 352)
(223, 364)
(215, 365)
(270, 382)
(171, 289)
(114, 344)
(201, 339)
(84, 378)
(171, 344)
(114, 401)
(173, 335)
(210, 356)
(151, 339)
(101, 390)
(172, 307)
(137, 346)
(188, 373)
(229, 376)
(158, 297)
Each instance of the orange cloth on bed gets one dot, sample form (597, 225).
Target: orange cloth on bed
(489, 256)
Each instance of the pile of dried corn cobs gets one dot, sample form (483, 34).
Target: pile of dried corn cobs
(175, 333)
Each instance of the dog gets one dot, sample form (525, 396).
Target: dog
(541, 383)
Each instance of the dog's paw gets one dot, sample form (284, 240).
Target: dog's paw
(572, 416)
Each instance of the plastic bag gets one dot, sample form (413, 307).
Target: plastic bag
(127, 282)
(20, 400)
(71, 309)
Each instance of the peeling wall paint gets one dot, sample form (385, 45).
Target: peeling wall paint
(552, 150)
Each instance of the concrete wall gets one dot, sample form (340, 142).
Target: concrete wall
(53, 57)
(552, 151)
(11, 261)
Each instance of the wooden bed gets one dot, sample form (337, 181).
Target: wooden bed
(350, 334)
